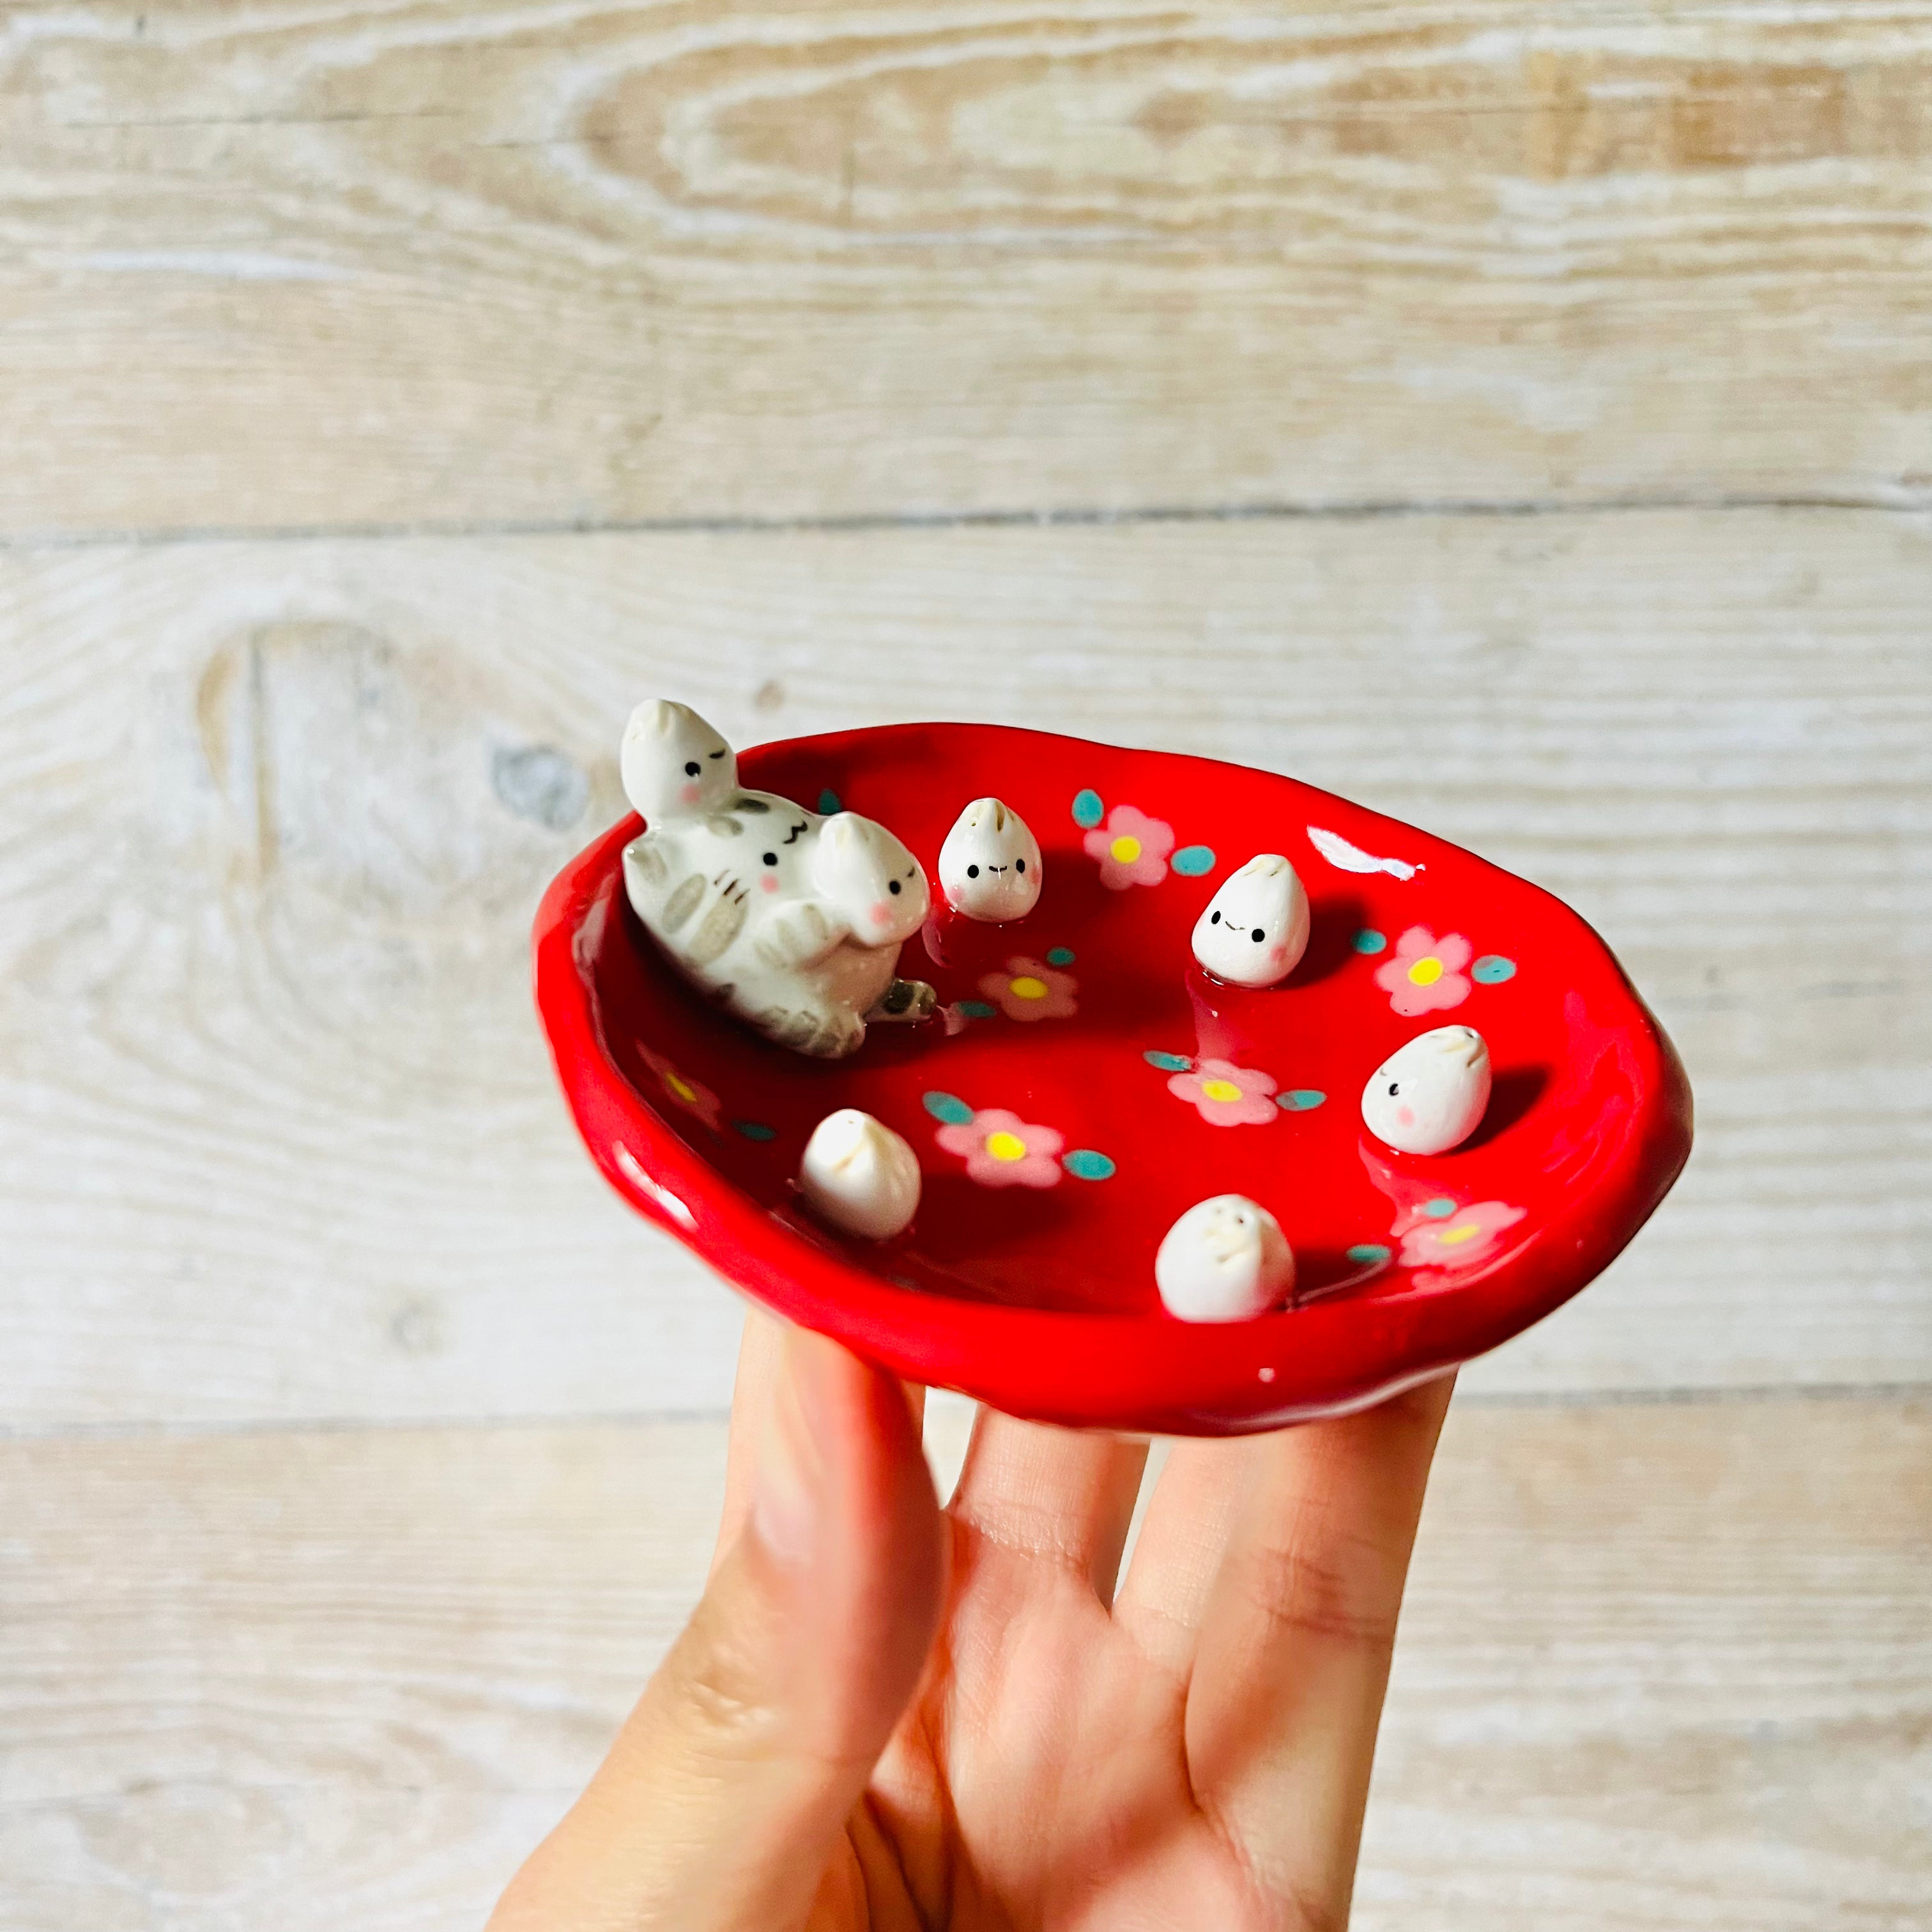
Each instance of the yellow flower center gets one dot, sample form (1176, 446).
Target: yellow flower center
(1006, 1146)
(682, 1089)
(1450, 1237)
(1026, 987)
(1220, 1090)
(1125, 849)
(1425, 972)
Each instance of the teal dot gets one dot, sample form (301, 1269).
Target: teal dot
(756, 1130)
(976, 1009)
(1061, 955)
(1440, 1209)
(1087, 1165)
(1300, 1099)
(1191, 861)
(1367, 1254)
(947, 1107)
(828, 802)
(1167, 1063)
(1087, 809)
(1370, 941)
(1492, 969)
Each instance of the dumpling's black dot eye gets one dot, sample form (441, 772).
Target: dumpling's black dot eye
(1395, 1087)
(1258, 935)
(1019, 865)
(1214, 919)
(771, 858)
(893, 886)
(692, 770)
(972, 871)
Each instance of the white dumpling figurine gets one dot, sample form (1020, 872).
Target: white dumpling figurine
(1256, 928)
(1430, 1094)
(790, 920)
(1225, 1260)
(989, 867)
(860, 1175)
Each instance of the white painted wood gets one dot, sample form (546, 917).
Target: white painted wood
(1662, 1664)
(309, 262)
(277, 1135)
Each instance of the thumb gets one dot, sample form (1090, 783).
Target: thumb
(721, 1802)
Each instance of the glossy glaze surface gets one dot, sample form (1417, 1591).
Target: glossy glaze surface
(1088, 1082)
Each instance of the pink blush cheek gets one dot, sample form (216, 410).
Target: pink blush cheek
(1404, 1116)
(688, 794)
(1277, 955)
(881, 914)
(770, 882)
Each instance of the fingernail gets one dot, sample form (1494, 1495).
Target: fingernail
(788, 1488)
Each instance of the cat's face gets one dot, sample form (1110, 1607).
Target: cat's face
(776, 857)
(1256, 928)
(1430, 1095)
(989, 867)
(674, 764)
(863, 871)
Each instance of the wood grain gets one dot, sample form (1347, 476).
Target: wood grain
(1662, 1665)
(432, 264)
(278, 1138)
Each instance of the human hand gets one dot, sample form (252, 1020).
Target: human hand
(884, 1717)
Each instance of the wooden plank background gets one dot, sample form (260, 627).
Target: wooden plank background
(311, 261)
(1517, 416)
(345, 1678)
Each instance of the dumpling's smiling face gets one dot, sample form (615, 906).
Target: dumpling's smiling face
(989, 867)
(674, 764)
(1430, 1095)
(1255, 928)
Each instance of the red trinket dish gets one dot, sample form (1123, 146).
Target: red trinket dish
(1085, 1082)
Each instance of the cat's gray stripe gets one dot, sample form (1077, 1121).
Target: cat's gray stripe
(683, 902)
(722, 924)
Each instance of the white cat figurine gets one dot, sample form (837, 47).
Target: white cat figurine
(790, 920)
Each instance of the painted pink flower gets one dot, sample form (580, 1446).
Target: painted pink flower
(1454, 1239)
(1228, 1096)
(1003, 1150)
(692, 1095)
(1132, 848)
(1425, 976)
(1029, 989)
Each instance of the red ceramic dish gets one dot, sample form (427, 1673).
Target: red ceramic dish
(1086, 1036)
